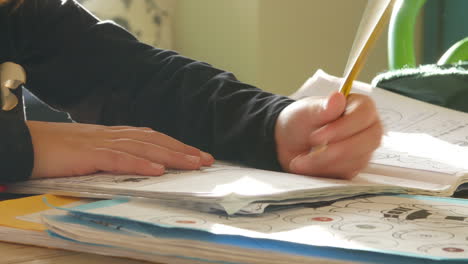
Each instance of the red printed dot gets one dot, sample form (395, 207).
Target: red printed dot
(321, 219)
(185, 222)
(454, 250)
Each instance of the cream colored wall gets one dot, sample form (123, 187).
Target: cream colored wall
(301, 36)
(221, 32)
(274, 44)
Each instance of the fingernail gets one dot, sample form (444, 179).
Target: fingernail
(158, 167)
(208, 158)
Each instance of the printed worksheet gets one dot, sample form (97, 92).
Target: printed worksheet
(406, 225)
(418, 135)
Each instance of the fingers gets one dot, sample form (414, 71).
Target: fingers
(360, 114)
(342, 132)
(299, 119)
(323, 110)
(80, 149)
(333, 107)
(341, 159)
(155, 153)
(345, 169)
(114, 161)
(156, 138)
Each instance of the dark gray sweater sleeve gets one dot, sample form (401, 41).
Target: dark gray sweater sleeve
(16, 151)
(16, 154)
(100, 73)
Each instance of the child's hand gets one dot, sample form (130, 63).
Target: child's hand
(330, 137)
(70, 149)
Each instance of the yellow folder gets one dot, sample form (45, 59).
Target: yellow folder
(10, 210)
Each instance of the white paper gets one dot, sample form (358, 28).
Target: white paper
(418, 135)
(428, 227)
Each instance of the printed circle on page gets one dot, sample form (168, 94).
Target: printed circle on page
(313, 218)
(453, 249)
(363, 227)
(179, 221)
(423, 235)
(446, 250)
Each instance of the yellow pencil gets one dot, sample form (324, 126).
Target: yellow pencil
(376, 15)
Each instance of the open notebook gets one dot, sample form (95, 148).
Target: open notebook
(425, 151)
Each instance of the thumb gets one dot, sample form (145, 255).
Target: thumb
(332, 108)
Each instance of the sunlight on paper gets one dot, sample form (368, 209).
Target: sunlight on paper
(424, 146)
(309, 235)
(245, 186)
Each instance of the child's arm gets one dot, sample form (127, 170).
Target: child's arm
(101, 74)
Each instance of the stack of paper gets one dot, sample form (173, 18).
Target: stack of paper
(230, 187)
(384, 229)
(20, 222)
(375, 229)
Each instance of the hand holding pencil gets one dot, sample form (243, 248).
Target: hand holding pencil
(335, 137)
(332, 137)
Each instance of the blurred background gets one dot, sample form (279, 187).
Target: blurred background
(274, 44)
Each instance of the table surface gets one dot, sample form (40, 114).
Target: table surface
(22, 254)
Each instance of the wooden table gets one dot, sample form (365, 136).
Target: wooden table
(21, 254)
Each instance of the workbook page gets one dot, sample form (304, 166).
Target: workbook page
(418, 136)
(419, 226)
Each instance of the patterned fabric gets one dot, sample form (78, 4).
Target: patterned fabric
(148, 20)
